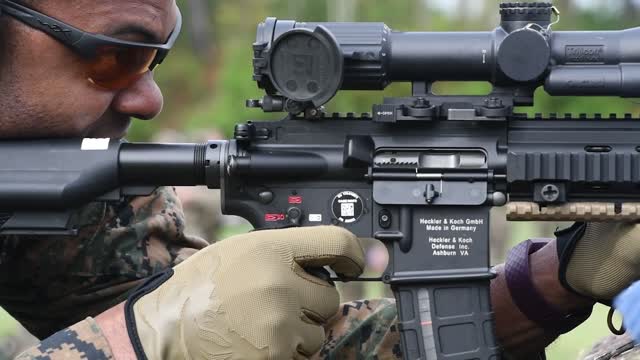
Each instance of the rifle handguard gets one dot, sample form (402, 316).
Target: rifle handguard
(577, 211)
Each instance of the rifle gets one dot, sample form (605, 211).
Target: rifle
(419, 173)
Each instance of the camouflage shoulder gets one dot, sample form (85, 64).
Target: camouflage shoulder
(362, 329)
(83, 340)
(614, 348)
(72, 277)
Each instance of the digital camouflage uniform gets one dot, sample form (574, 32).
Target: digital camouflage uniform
(49, 284)
(614, 348)
(53, 282)
(81, 341)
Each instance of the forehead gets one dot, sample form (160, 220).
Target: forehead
(103, 16)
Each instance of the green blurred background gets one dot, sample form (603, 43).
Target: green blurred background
(207, 78)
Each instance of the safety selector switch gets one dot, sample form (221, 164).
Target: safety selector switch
(294, 215)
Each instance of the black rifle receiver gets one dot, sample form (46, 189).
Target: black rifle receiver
(420, 173)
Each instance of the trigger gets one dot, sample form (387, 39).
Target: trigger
(321, 273)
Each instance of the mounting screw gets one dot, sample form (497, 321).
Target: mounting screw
(550, 193)
(493, 103)
(421, 103)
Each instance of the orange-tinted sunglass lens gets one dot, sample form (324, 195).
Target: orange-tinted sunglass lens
(116, 68)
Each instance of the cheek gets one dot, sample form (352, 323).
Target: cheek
(54, 84)
(49, 109)
(72, 106)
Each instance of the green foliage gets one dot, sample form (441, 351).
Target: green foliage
(578, 342)
(7, 324)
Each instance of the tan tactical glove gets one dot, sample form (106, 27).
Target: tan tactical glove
(599, 260)
(247, 297)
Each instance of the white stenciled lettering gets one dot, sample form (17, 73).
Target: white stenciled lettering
(463, 228)
(444, 253)
(440, 235)
(430, 221)
(442, 247)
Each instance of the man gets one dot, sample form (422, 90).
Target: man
(247, 297)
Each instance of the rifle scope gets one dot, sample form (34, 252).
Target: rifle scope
(309, 62)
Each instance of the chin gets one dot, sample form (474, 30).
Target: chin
(113, 132)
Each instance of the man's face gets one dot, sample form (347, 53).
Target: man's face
(44, 90)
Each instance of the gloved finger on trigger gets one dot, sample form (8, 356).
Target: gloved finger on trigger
(328, 246)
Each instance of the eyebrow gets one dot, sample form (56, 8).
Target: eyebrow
(135, 29)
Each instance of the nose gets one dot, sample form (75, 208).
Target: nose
(142, 100)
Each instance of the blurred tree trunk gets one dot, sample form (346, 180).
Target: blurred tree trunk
(202, 39)
(342, 10)
(569, 11)
(629, 11)
(293, 7)
(490, 13)
(462, 12)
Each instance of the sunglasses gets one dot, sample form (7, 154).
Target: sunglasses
(112, 63)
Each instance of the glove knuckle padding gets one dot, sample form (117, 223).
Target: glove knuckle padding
(248, 297)
(332, 246)
(605, 260)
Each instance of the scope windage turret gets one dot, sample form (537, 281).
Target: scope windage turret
(307, 63)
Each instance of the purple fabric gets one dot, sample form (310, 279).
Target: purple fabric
(525, 295)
